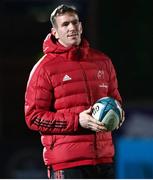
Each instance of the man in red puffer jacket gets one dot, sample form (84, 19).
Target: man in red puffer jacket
(61, 89)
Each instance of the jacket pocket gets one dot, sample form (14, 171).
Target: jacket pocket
(48, 140)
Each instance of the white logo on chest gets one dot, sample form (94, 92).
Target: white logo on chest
(103, 85)
(67, 78)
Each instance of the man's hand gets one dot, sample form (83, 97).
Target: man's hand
(122, 114)
(122, 119)
(88, 122)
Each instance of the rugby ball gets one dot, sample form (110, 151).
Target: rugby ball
(107, 110)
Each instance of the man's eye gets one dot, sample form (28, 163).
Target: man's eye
(75, 22)
(65, 24)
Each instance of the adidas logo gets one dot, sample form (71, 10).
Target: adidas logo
(66, 78)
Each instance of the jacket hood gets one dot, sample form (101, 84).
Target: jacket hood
(51, 45)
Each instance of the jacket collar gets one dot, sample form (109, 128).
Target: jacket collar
(51, 45)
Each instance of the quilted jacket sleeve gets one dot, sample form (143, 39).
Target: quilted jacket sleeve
(38, 102)
(113, 84)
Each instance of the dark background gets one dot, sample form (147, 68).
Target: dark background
(121, 29)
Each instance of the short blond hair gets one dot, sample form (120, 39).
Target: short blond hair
(60, 10)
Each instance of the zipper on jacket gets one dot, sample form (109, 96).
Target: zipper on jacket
(95, 144)
(90, 102)
(86, 84)
(52, 146)
(52, 143)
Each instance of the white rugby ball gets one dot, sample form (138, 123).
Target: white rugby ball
(107, 110)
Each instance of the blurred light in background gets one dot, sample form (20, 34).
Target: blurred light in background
(134, 158)
(134, 155)
(41, 15)
(25, 163)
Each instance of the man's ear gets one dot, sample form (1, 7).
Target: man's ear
(54, 33)
(81, 28)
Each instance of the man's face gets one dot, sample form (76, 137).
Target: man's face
(68, 29)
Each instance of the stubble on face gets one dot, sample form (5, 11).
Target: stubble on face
(68, 29)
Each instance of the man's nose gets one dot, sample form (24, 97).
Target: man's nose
(71, 26)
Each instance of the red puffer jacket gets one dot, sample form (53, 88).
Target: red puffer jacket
(63, 83)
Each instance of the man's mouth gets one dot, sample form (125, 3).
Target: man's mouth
(73, 35)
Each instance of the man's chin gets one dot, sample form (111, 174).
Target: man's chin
(75, 43)
(70, 43)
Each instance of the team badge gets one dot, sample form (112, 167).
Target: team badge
(100, 74)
